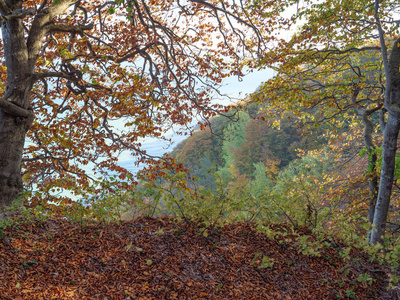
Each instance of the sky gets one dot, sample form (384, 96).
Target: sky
(232, 86)
(249, 83)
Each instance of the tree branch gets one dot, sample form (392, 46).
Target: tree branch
(52, 74)
(14, 110)
(37, 32)
(382, 120)
(71, 29)
(4, 8)
(18, 14)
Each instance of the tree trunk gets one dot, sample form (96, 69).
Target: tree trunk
(12, 138)
(389, 148)
(390, 130)
(372, 158)
(370, 146)
(15, 113)
(20, 55)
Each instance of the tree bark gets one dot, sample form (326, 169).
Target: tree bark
(16, 116)
(370, 146)
(12, 138)
(372, 158)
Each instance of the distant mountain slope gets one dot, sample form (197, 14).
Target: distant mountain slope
(246, 142)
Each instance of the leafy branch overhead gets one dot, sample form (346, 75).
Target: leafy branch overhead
(343, 60)
(87, 80)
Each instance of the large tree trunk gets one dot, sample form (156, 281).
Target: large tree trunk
(21, 50)
(389, 148)
(15, 113)
(12, 137)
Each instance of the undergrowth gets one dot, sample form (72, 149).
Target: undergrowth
(172, 196)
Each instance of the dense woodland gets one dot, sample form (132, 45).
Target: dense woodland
(261, 164)
(291, 193)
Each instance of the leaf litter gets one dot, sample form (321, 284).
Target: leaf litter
(161, 258)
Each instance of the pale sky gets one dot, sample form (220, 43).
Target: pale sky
(232, 87)
(249, 83)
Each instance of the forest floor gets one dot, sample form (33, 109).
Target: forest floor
(160, 258)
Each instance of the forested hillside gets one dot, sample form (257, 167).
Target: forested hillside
(292, 193)
(266, 164)
(247, 146)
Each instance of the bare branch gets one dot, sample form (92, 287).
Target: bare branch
(71, 29)
(18, 14)
(43, 75)
(42, 5)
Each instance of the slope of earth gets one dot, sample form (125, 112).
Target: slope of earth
(160, 258)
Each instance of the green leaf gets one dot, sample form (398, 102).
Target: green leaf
(111, 10)
(128, 247)
(266, 262)
(257, 254)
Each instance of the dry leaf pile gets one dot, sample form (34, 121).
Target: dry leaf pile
(160, 258)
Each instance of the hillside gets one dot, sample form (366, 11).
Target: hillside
(160, 258)
(251, 147)
(246, 140)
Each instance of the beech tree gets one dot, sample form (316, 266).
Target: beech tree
(341, 90)
(75, 72)
(333, 63)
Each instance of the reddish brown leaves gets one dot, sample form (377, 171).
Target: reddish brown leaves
(162, 259)
(111, 73)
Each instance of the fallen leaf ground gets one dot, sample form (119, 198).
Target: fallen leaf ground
(159, 258)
